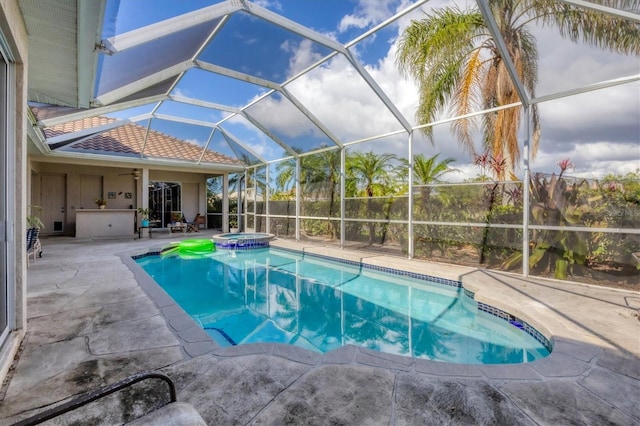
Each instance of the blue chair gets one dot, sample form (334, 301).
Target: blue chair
(33, 243)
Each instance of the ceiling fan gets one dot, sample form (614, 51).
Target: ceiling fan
(135, 173)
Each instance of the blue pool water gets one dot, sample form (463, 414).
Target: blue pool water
(273, 295)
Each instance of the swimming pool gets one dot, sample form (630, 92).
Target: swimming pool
(282, 296)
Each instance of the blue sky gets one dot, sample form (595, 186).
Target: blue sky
(342, 18)
(600, 130)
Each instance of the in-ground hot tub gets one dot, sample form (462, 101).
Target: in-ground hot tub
(242, 241)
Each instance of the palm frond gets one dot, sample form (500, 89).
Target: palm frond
(456, 63)
(429, 170)
(466, 96)
(433, 51)
(594, 28)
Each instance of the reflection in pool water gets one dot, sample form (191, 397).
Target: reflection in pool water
(273, 295)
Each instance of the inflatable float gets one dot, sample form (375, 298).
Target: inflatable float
(192, 249)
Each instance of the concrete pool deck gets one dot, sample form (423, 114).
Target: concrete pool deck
(95, 317)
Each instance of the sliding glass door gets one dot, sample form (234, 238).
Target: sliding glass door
(7, 197)
(165, 202)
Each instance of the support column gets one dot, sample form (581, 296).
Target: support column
(225, 202)
(144, 189)
(267, 195)
(297, 198)
(242, 199)
(410, 247)
(525, 200)
(142, 201)
(343, 184)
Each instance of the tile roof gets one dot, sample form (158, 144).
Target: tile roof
(128, 139)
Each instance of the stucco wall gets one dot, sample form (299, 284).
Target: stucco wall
(115, 180)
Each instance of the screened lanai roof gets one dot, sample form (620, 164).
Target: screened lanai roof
(237, 79)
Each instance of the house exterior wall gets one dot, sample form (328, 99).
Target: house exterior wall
(14, 33)
(115, 180)
(73, 197)
(190, 191)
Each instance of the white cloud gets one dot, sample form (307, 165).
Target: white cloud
(366, 14)
(252, 138)
(260, 148)
(593, 160)
(599, 131)
(564, 64)
(402, 92)
(303, 56)
(340, 98)
(613, 107)
(179, 92)
(269, 4)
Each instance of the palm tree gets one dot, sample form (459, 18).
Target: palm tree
(455, 61)
(285, 191)
(428, 171)
(322, 173)
(319, 175)
(323, 179)
(286, 174)
(257, 178)
(373, 172)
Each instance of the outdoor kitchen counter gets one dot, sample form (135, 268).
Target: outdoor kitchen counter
(105, 223)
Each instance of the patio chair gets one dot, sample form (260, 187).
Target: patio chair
(33, 243)
(195, 225)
